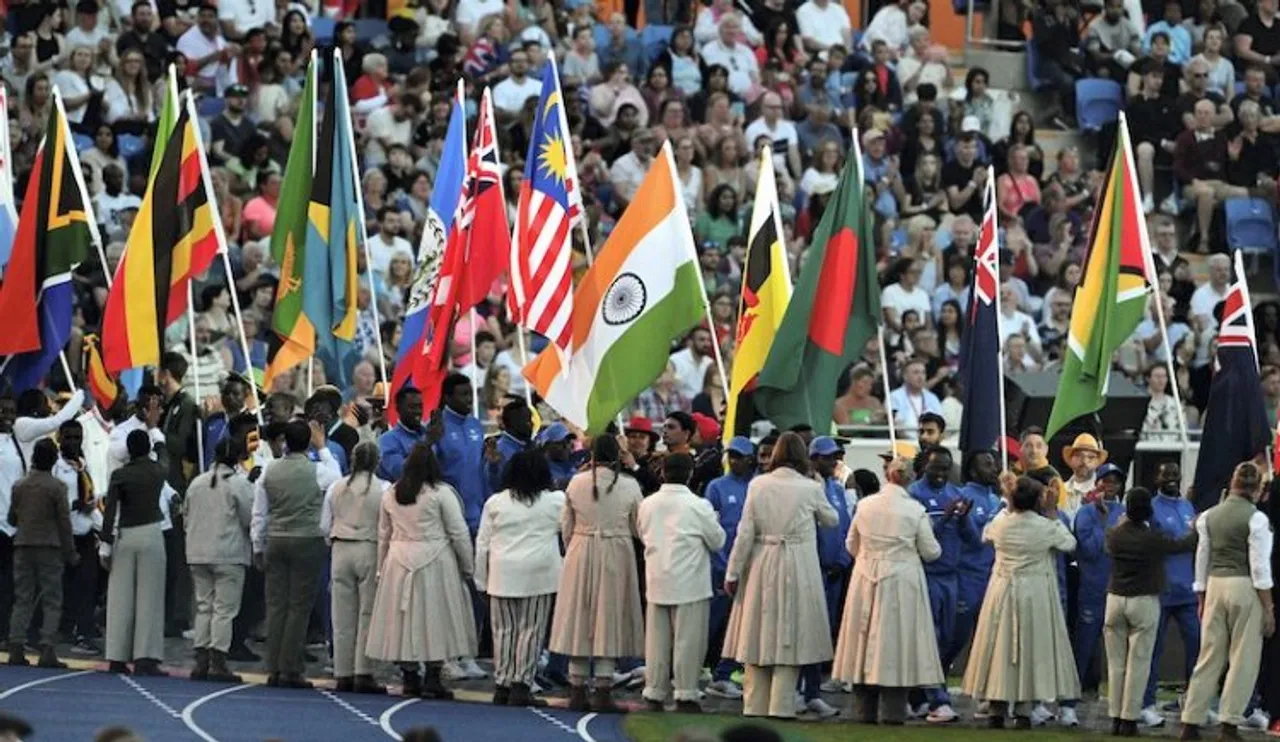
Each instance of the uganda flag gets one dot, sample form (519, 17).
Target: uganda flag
(766, 290)
(53, 236)
(173, 241)
(1112, 295)
(832, 314)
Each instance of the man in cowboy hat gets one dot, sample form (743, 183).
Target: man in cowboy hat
(1084, 456)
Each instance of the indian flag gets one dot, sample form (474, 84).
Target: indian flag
(642, 292)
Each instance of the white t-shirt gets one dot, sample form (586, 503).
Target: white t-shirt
(1204, 300)
(247, 14)
(626, 175)
(195, 45)
(782, 137)
(1019, 322)
(894, 296)
(380, 125)
(109, 210)
(510, 95)
(73, 85)
(690, 372)
(471, 12)
(79, 37)
(740, 61)
(827, 26)
(384, 251)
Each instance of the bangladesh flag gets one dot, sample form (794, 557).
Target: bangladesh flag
(1112, 296)
(834, 311)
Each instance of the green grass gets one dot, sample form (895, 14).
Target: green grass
(666, 727)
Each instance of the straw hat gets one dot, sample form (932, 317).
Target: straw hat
(1084, 442)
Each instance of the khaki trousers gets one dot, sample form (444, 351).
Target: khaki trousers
(770, 690)
(1129, 633)
(135, 595)
(1230, 638)
(218, 588)
(37, 574)
(580, 668)
(352, 586)
(675, 641)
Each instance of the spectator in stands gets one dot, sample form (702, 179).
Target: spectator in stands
(965, 178)
(1015, 322)
(260, 211)
(628, 171)
(1222, 72)
(823, 24)
(581, 64)
(736, 57)
(1056, 36)
(208, 54)
(623, 47)
(1022, 133)
(615, 91)
(711, 19)
(923, 63)
(818, 134)
(1210, 293)
(1256, 90)
(1112, 42)
(912, 399)
(1200, 164)
(725, 167)
(780, 130)
(1254, 167)
(1171, 25)
(683, 62)
(892, 25)
(1257, 39)
(1017, 190)
(1157, 56)
(1155, 129)
(1197, 87)
(662, 398)
(143, 36)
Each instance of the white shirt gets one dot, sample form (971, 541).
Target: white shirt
(326, 508)
(383, 251)
(1018, 322)
(118, 449)
(195, 45)
(706, 29)
(680, 531)
(74, 85)
(510, 95)
(888, 25)
(627, 174)
(782, 136)
(110, 209)
(471, 12)
(690, 371)
(382, 124)
(511, 361)
(743, 68)
(828, 26)
(518, 546)
(1205, 298)
(247, 14)
(327, 472)
(1076, 489)
(16, 449)
(895, 297)
(907, 409)
(1260, 543)
(81, 523)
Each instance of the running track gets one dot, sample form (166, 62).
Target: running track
(70, 705)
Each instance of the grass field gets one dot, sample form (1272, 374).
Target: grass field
(666, 727)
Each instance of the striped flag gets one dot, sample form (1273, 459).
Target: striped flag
(550, 207)
(172, 242)
(102, 386)
(981, 364)
(8, 210)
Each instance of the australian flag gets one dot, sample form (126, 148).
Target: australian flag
(981, 365)
(1235, 421)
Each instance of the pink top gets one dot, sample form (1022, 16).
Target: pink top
(1014, 192)
(259, 217)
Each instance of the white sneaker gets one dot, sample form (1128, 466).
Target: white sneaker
(944, 714)
(705, 675)
(1170, 205)
(1151, 717)
(473, 670)
(1067, 717)
(1258, 720)
(835, 686)
(453, 671)
(1148, 204)
(917, 712)
(801, 704)
(724, 689)
(1041, 715)
(1212, 719)
(983, 711)
(823, 709)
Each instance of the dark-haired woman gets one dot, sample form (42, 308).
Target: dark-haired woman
(216, 512)
(1022, 652)
(349, 518)
(598, 618)
(518, 566)
(422, 612)
(779, 618)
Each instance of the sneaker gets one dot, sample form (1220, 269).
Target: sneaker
(1041, 715)
(801, 704)
(1274, 729)
(1212, 719)
(453, 671)
(821, 708)
(473, 670)
(736, 676)
(835, 686)
(1067, 717)
(1258, 720)
(982, 711)
(1148, 204)
(917, 712)
(1170, 205)
(1150, 717)
(944, 714)
(725, 689)
(705, 675)
(85, 648)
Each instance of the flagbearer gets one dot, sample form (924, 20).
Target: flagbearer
(982, 494)
(833, 558)
(1100, 512)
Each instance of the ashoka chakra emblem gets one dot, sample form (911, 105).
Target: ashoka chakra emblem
(624, 301)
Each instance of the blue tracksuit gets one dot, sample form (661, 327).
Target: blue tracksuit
(508, 446)
(727, 495)
(563, 471)
(1095, 570)
(461, 453)
(215, 427)
(975, 566)
(943, 575)
(835, 561)
(1063, 559)
(1173, 516)
(394, 446)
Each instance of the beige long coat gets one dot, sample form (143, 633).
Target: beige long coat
(886, 634)
(598, 611)
(779, 614)
(422, 610)
(1021, 650)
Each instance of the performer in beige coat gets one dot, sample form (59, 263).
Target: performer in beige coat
(349, 519)
(1233, 582)
(779, 617)
(887, 644)
(598, 618)
(422, 611)
(1022, 652)
(680, 532)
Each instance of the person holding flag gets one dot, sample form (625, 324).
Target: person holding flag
(981, 366)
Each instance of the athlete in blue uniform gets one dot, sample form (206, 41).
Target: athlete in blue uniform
(1102, 510)
(981, 490)
(727, 495)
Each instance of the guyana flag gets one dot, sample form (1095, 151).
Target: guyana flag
(54, 233)
(766, 289)
(1112, 295)
(832, 314)
(173, 240)
(289, 239)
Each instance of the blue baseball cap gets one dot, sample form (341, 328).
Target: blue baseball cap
(554, 433)
(824, 446)
(1109, 469)
(741, 445)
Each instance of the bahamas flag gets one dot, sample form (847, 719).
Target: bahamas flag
(54, 233)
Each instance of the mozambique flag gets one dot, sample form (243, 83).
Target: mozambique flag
(832, 314)
(54, 233)
(173, 240)
(1112, 295)
(766, 290)
(289, 238)
(102, 385)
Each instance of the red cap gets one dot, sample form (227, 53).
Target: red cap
(640, 424)
(708, 428)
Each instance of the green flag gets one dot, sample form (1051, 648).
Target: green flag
(168, 120)
(834, 311)
(289, 237)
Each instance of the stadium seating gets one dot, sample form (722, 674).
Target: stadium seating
(655, 40)
(1098, 103)
(1251, 225)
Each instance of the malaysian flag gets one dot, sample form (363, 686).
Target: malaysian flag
(541, 296)
(1235, 421)
(981, 364)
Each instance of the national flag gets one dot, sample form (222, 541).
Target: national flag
(981, 363)
(550, 207)
(102, 385)
(8, 210)
(833, 312)
(54, 234)
(1235, 420)
(440, 215)
(167, 121)
(173, 241)
(289, 238)
(766, 291)
(643, 292)
(1111, 298)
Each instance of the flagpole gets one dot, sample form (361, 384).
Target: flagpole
(220, 234)
(66, 370)
(995, 235)
(884, 377)
(524, 361)
(194, 370)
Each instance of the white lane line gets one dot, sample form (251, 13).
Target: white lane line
(171, 711)
(359, 714)
(384, 721)
(189, 711)
(548, 717)
(583, 727)
(48, 679)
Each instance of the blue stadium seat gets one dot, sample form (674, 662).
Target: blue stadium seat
(656, 39)
(322, 28)
(1251, 225)
(83, 142)
(1239, 87)
(1098, 103)
(207, 107)
(368, 29)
